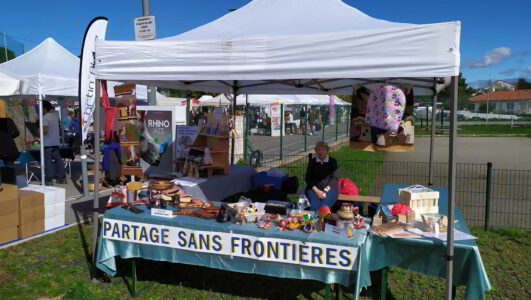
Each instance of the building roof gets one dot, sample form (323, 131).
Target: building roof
(503, 96)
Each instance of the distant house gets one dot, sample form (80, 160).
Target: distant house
(513, 102)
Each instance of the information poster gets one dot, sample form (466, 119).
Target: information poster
(382, 119)
(156, 139)
(276, 124)
(185, 137)
(332, 111)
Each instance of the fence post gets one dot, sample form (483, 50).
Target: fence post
(337, 121)
(349, 108)
(322, 121)
(247, 124)
(305, 131)
(488, 195)
(281, 128)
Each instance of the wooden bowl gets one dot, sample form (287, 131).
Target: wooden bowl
(161, 185)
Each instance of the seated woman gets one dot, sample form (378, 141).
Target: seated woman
(322, 176)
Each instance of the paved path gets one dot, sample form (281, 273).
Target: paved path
(293, 144)
(504, 152)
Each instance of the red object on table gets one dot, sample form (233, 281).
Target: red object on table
(400, 209)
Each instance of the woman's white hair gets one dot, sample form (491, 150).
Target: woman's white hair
(322, 144)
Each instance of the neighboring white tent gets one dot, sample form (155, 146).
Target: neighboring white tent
(289, 47)
(168, 101)
(8, 85)
(46, 70)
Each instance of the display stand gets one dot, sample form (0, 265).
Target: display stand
(129, 131)
(214, 135)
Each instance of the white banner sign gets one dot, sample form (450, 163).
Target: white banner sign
(145, 28)
(87, 78)
(246, 246)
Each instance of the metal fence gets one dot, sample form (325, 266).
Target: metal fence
(485, 196)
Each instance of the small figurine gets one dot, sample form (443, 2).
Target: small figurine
(359, 222)
(293, 224)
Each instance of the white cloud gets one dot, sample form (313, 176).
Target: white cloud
(493, 57)
(527, 71)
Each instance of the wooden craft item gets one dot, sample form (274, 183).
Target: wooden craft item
(377, 220)
(387, 229)
(410, 218)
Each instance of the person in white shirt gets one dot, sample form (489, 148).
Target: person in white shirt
(53, 162)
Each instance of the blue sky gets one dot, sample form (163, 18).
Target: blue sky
(495, 37)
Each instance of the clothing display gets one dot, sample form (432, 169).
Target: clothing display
(385, 107)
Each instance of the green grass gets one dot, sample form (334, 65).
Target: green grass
(360, 166)
(55, 266)
(481, 129)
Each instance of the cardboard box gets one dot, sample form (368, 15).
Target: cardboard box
(8, 199)
(27, 230)
(10, 220)
(2, 107)
(54, 210)
(54, 222)
(8, 234)
(30, 199)
(52, 194)
(31, 215)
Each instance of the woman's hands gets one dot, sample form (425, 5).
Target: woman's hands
(320, 194)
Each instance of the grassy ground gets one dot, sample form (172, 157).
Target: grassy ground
(348, 168)
(481, 129)
(56, 267)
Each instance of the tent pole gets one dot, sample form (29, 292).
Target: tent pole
(432, 137)
(246, 130)
(41, 134)
(95, 213)
(451, 190)
(235, 94)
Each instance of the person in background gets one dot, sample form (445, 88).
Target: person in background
(53, 162)
(67, 120)
(75, 131)
(322, 175)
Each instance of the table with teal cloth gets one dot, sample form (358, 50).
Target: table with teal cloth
(425, 254)
(109, 249)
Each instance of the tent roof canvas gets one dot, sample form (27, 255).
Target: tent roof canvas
(48, 69)
(289, 47)
(8, 85)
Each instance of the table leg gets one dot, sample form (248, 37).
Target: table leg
(357, 289)
(339, 292)
(383, 288)
(328, 292)
(133, 276)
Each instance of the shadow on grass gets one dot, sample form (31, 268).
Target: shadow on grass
(209, 280)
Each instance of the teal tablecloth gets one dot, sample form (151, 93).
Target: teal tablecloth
(424, 255)
(110, 249)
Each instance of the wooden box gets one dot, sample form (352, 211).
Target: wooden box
(421, 199)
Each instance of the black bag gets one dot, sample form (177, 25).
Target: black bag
(290, 185)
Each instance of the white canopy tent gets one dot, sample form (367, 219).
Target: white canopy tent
(46, 70)
(8, 85)
(265, 99)
(296, 47)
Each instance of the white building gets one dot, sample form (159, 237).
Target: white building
(513, 102)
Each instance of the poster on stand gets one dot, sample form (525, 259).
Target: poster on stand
(332, 110)
(185, 138)
(157, 134)
(276, 124)
(382, 119)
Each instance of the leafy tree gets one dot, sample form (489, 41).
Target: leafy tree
(523, 84)
(10, 54)
(464, 91)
